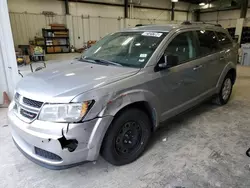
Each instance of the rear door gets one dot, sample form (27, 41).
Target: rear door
(228, 52)
(209, 57)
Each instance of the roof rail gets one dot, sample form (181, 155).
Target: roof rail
(186, 23)
(200, 22)
(139, 25)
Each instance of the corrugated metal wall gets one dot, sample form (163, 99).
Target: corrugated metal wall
(92, 28)
(226, 18)
(25, 26)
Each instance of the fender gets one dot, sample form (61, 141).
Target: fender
(226, 69)
(130, 97)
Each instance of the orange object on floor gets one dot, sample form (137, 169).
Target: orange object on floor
(6, 100)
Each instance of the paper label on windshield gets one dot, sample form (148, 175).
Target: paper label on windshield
(143, 55)
(151, 34)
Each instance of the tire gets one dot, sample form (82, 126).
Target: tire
(223, 96)
(127, 137)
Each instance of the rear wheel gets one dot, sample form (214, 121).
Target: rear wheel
(225, 92)
(127, 137)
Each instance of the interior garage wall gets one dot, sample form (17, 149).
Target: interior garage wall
(36, 6)
(25, 26)
(226, 18)
(89, 21)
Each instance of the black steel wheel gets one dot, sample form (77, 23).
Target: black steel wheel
(127, 137)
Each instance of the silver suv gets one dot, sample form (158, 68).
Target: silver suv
(113, 98)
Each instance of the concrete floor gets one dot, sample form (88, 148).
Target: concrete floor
(203, 148)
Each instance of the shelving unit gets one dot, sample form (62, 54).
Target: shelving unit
(56, 41)
(245, 38)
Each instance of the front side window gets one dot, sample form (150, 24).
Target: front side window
(183, 47)
(131, 49)
(224, 40)
(208, 42)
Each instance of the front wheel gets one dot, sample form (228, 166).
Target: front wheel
(126, 137)
(225, 92)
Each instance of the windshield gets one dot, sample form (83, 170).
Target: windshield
(132, 49)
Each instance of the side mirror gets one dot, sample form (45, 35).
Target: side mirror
(166, 62)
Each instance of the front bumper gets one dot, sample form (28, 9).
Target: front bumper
(40, 140)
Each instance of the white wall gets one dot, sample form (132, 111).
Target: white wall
(78, 9)
(36, 6)
(89, 21)
(225, 18)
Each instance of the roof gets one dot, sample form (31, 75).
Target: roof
(169, 27)
(165, 28)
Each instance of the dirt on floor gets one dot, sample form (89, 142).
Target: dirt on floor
(205, 147)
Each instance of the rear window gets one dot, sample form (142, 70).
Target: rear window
(208, 42)
(224, 40)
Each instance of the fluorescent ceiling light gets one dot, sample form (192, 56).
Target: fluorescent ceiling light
(202, 4)
(174, 1)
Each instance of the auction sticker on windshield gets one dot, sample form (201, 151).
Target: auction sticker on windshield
(151, 34)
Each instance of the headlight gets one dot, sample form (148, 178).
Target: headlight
(71, 112)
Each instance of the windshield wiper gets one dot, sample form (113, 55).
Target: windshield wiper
(87, 59)
(92, 60)
(108, 62)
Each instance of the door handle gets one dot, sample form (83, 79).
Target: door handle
(222, 58)
(197, 67)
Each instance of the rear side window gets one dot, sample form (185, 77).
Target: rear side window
(208, 42)
(183, 46)
(224, 40)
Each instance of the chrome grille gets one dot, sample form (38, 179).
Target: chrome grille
(33, 103)
(26, 109)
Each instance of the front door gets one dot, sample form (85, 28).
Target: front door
(178, 84)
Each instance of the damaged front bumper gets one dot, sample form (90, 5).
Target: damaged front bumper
(59, 145)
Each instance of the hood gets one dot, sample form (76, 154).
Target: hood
(63, 83)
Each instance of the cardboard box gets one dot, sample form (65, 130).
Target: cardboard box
(58, 49)
(55, 42)
(50, 49)
(57, 26)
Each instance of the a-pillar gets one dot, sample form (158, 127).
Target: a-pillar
(8, 65)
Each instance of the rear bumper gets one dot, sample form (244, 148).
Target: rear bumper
(41, 141)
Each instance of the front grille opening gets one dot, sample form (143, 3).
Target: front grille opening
(33, 103)
(47, 154)
(27, 114)
(15, 107)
